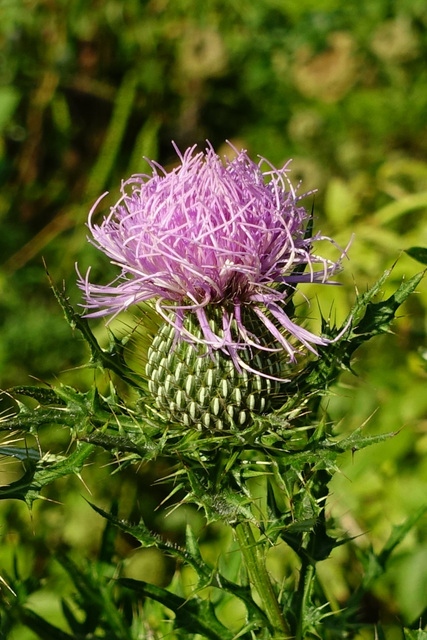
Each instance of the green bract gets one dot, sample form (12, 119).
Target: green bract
(195, 388)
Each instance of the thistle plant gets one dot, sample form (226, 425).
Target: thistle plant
(211, 256)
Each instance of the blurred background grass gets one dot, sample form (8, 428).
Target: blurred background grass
(88, 89)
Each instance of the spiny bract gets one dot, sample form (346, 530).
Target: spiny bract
(195, 389)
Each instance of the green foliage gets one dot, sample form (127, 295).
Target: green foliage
(88, 89)
(98, 607)
(418, 253)
(41, 470)
(293, 451)
(415, 635)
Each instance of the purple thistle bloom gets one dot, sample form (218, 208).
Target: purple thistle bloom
(209, 233)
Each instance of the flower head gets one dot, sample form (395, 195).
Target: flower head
(230, 235)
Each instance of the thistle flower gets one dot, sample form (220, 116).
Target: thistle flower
(220, 247)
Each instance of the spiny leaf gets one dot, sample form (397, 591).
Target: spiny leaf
(327, 450)
(194, 615)
(191, 555)
(357, 440)
(107, 549)
(366, 319)
(44, 396)
(363, 299)
(30, 421)
(112, 360)
(380, 315)
(147, 449)
(81, 412)
(43, 471)
(148, 538)
(20, 453)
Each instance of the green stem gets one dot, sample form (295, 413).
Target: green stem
(305, 586)
(258, 575)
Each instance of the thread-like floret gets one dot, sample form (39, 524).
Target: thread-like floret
(230, 233)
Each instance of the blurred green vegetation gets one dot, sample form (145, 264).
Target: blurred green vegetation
(88, 89)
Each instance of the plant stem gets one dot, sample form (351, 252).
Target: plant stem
(255, 564)
(307, 572)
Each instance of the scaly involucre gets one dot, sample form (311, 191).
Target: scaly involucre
(230, 234)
